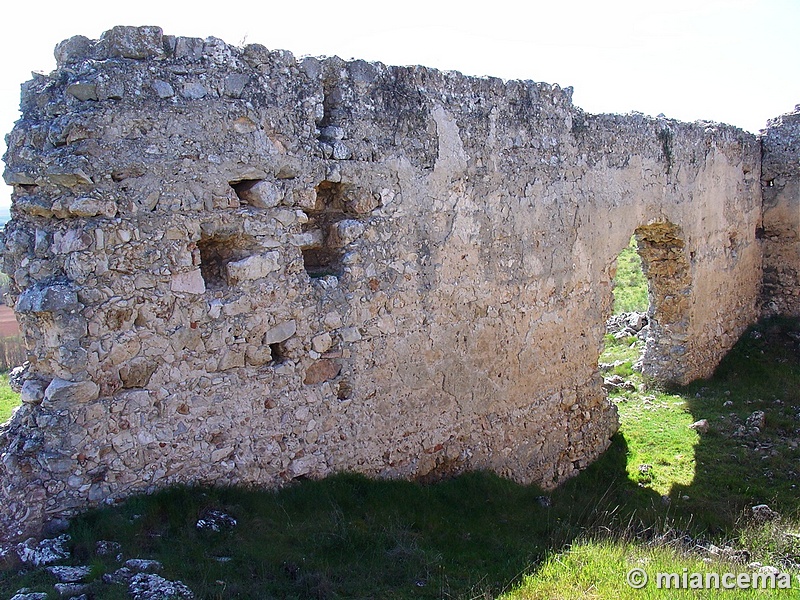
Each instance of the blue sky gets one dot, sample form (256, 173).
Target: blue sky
(733, 61)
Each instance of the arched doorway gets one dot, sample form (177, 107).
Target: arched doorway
(664, 263)
(652, 294)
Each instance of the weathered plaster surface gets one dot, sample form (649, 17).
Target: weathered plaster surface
(781, 228)
(234, 266)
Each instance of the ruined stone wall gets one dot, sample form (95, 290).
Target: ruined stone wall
(780, 180)
(234, 266)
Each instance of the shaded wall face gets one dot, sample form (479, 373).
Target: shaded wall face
(780, 180)
(235, 267)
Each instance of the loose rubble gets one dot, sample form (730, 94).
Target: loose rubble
(628, 324)
(140, 565)
(26, 594)
(619, 382)
(106, 548)
(44, 552)
(763, 513)
(146, 586)
(700, 426)
(215, 520)
(69, 574)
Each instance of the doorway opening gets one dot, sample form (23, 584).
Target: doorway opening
(644, 347)
(668, 280)
(628, 326)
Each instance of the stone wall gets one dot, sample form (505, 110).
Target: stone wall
(234, 266)
(780, 187)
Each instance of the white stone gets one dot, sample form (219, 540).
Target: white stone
(253, 267)
(350, 334)
(193, 91)
(91, 207)
(163, 89)
(190, 282)
(69, 574)
(322, 343)
(345, 232)
(32, 391)
(261, 194)
(281, 332)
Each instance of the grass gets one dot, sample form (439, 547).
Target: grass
(706, 482)
(9, 399)
(479, 535)
(630, 284)
(597, 569)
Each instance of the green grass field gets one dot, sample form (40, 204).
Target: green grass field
(9, 399)
(630, 284)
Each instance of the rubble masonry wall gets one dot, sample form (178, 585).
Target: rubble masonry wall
(238, 267)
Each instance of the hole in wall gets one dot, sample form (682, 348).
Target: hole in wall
(323, 254)
(322, 262)
(628, 326)
(241, 188)
(258, 193)
(217, 250)
(344, 390)
(278, 351)
(667, 272)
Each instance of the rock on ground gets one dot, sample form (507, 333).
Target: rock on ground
(45, 552)
(146, 586)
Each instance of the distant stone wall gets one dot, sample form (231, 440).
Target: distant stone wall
(233, 266)
(780, 181)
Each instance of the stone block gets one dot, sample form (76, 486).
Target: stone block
(350, 334)
(252, 267)
(63, 392)
(259, 194)
(91, 207)
(134, 42)
(48, 298)
(32, 391)
(136, 372)
(322, 370)
(189, 281)
(73, 50)
(321, 343)
(235, 84)
(82, 91)
(281, 332)
(193, 91)
(345, 232)
(162, 89)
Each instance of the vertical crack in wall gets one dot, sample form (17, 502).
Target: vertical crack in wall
(334, 117)
(665, 137)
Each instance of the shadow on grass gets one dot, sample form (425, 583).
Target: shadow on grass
(473, 536)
